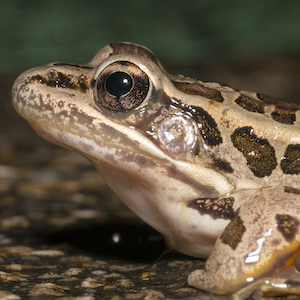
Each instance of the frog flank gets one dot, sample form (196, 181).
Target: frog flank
(214, 169)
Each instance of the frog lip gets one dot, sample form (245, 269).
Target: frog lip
(142, 159)
(116, 151)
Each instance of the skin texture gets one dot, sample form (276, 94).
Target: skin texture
(215, 170)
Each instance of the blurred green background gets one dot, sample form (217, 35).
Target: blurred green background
(178, 32)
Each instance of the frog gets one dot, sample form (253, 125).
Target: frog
(214, 169)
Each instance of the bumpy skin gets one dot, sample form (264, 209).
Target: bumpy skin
(189, 157)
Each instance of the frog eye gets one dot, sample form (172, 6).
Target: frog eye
(121, 86)
(118, 84)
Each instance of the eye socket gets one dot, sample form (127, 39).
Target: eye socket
(121, 86)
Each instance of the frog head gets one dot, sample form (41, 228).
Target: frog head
(143, 129)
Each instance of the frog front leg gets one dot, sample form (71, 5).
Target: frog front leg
(261, 242)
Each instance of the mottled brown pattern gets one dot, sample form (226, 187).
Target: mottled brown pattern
(250, 104)
(290, 164)
(288, 226)
(260, 155)
(233, 233)
(198, 89)
(216, 208)
(123, 48)
(59, 80)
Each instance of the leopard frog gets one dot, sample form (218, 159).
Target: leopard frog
(214, 169)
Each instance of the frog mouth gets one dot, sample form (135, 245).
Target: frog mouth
(131, 156)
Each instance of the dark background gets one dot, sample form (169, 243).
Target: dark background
(230, 41)
(180, 32)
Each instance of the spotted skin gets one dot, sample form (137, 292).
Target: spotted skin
(282, 112)
(213, 168)
(260, 155)
(290, 164)
(284, 116)
(233, 234)
(245, 252)
(216, 208)
(288, 226)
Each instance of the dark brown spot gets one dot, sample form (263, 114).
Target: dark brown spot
(291, 190)
(290, 164)
(250, 104)
(207, 126)
(288, 226)
(123, 48)
(82, 82)
(284, 116)
(233, 233)
(199, 89)
(59, 80)
(222, 165)
(260, 155)
(216, 208)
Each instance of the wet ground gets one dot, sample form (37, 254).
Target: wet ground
(65, 235)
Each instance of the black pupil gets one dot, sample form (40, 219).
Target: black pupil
(118, 84)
